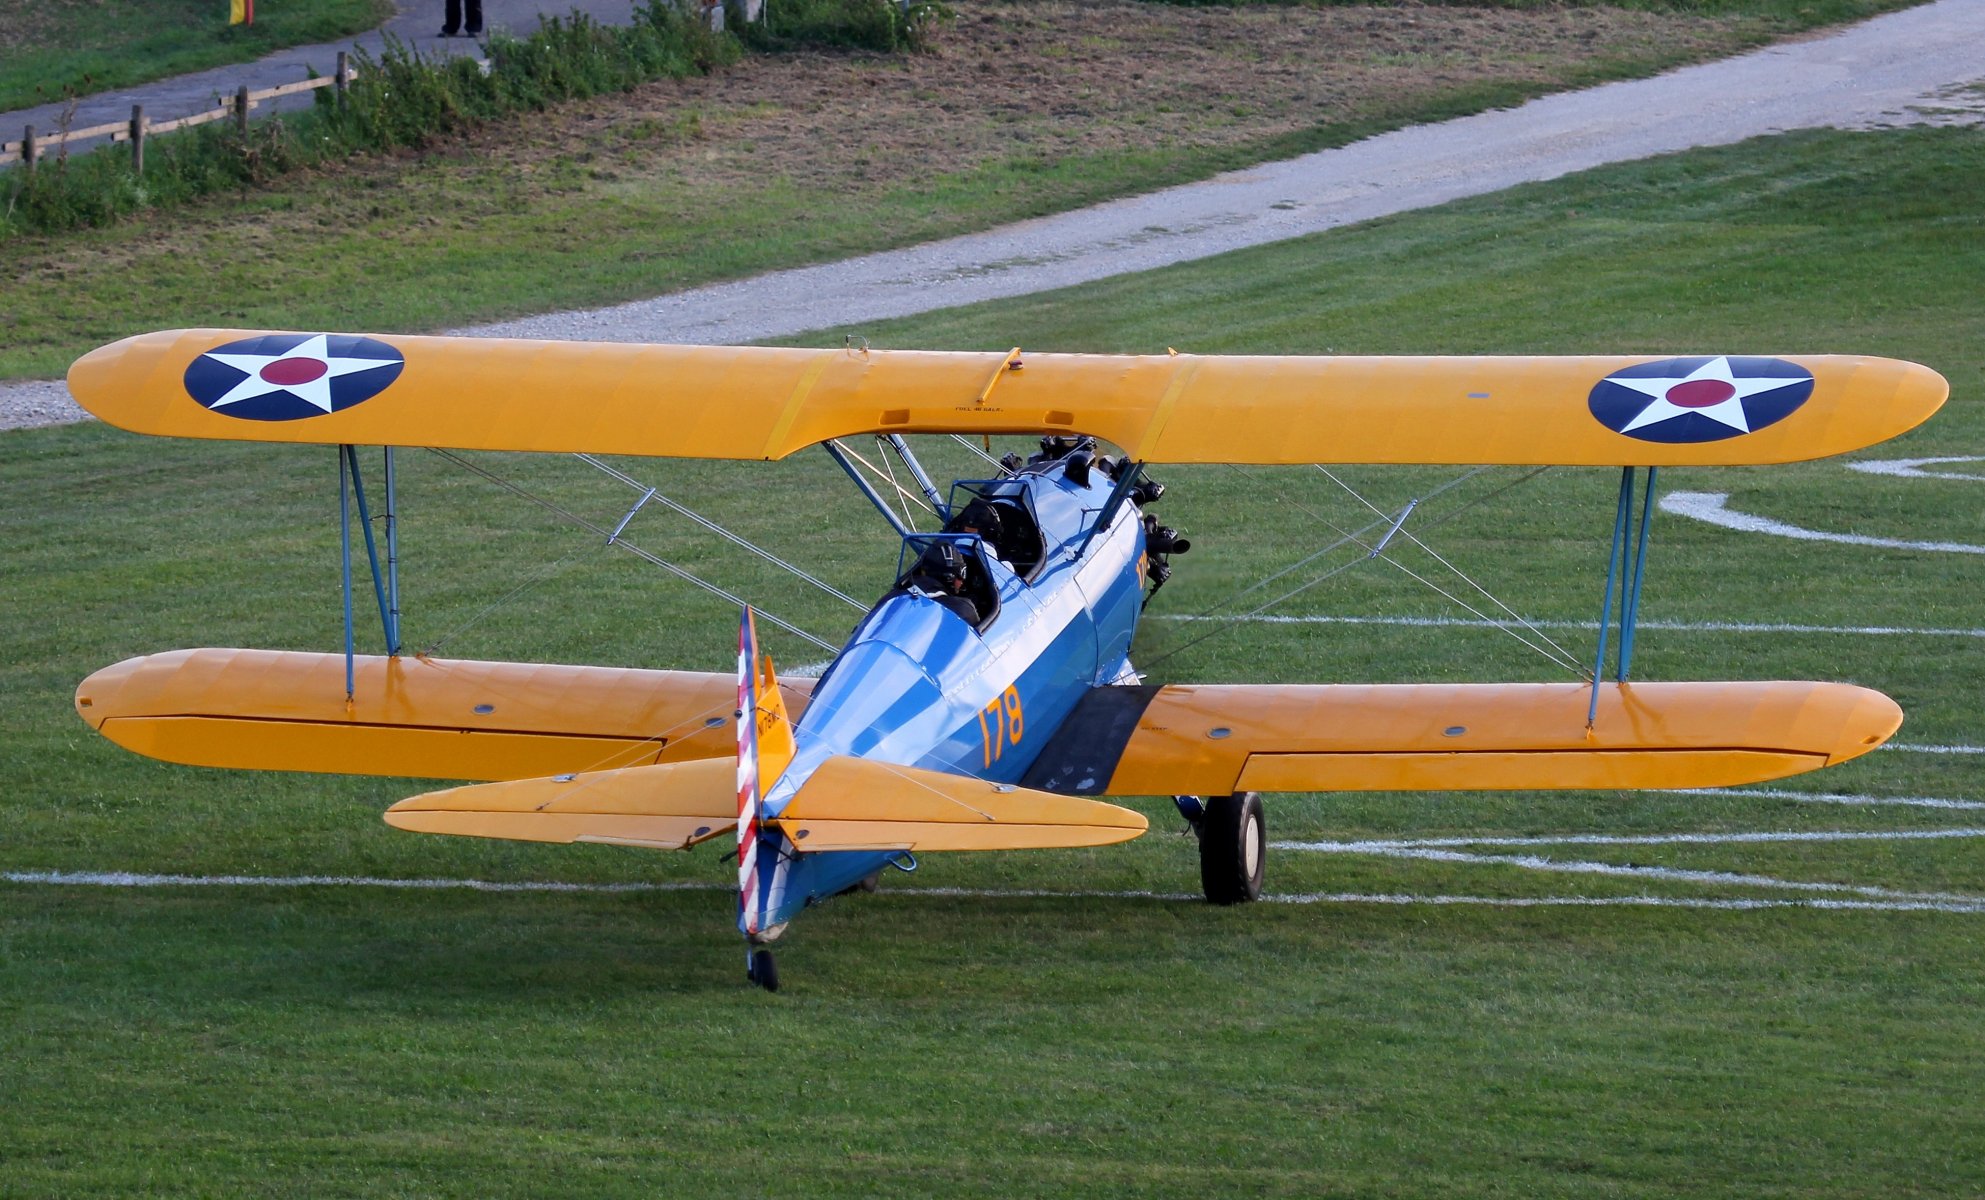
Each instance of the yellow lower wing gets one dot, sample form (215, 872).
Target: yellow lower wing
(1216, 740)
(846, 804)
(438, 718)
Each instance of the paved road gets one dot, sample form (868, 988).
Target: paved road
(418, 24)
(1886, 71)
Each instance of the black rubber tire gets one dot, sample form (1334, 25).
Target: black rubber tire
(1233, 848)
(764, 970)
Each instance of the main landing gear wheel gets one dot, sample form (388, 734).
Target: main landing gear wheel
(1233, 843)
(762, 969)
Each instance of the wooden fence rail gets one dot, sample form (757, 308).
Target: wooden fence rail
(32, 148)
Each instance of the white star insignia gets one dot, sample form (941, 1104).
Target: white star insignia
(312, 389)
(1710, 390)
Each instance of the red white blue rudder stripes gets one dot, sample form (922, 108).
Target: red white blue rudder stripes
(750, 909)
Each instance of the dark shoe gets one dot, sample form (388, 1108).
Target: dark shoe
(446, 33)
(475, 33)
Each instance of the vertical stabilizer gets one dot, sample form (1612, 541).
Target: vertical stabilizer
(764, 750)
(774, 731)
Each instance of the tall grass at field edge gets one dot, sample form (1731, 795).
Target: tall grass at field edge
(403, 100)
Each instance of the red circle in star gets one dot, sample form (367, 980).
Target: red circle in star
(1698, 393)
(287, 372)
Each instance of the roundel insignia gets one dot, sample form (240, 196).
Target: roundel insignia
(1699, 399)
(287, 376)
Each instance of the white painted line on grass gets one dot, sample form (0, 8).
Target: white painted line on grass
(1740, 904)
(1531, 862)
(1917, 749)
(1709, 507)
(1849, 798)
(1666, 626)
(1384, 845)
(1912, 468)
(1736, 903)
(132, 879)
(127, 879)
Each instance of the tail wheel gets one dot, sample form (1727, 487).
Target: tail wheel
(763, 970)
(1233, 845)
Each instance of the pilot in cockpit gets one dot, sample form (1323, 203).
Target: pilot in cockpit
(940, 575)
(981, 519)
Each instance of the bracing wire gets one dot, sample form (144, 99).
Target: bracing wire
(966, 442)
(888, 478)
(720, 531)
(645, 555)
(1563, 656)
(1336, 545)
(902, 492)
(537, 577)
(1356, 537)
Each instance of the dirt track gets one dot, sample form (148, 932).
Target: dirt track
(1903, 68)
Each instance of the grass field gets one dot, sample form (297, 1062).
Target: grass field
(54, 49)
(1584, 1030)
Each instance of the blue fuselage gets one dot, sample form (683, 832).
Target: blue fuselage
(919, 686)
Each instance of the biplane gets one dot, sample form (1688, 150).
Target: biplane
(988, 701)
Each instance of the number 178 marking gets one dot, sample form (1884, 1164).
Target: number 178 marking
(1000, 725)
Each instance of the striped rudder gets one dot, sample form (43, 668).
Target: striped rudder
(749, 913)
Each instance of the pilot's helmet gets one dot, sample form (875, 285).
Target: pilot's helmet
(981, 516)
(942, 562)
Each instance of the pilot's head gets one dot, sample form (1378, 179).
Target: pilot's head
(942, 564)
(981, 518)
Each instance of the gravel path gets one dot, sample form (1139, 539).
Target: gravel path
(1909, 67)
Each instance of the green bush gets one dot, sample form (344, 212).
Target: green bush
(861, 24)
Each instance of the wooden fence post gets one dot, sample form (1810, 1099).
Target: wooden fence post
(241, 110)
(344, 78)
(137, 139)
(27, 149)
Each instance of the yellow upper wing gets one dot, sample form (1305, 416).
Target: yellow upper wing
(748, 402)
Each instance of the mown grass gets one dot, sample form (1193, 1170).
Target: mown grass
(360, 1042)
(57, 49)
(496, 231)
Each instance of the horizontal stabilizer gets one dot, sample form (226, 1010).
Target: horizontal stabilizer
(861, 804)
(668, 807)
(1217, 740)
(768, 402)
(435, 718)
(846, 804)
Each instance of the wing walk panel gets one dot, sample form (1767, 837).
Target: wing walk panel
(435, 718)
(759, 402)
(1217, 740)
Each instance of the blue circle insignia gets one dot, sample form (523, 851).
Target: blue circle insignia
(1699, 399)
(289, 376)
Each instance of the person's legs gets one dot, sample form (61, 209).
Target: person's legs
(451, 17)
(475, 17)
